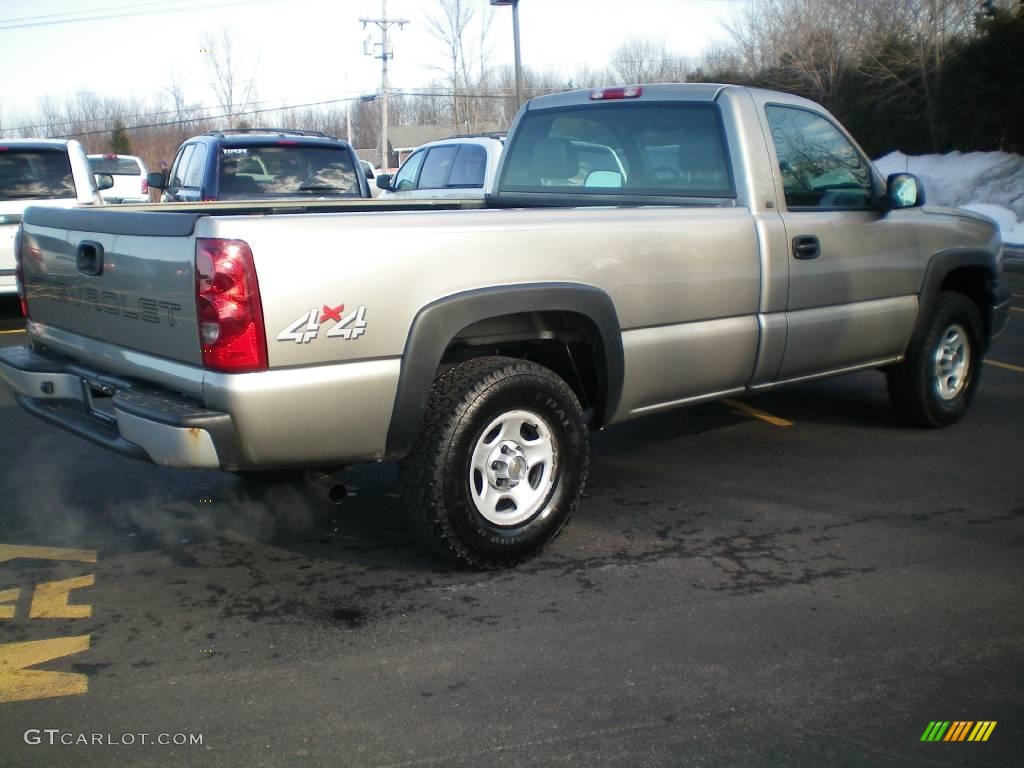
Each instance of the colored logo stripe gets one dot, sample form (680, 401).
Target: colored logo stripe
(982, 730)
(935, 730)
(958, 730)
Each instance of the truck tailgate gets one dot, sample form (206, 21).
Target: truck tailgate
(124, 277)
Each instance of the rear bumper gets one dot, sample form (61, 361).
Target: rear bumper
(136, 422)
(293, 417)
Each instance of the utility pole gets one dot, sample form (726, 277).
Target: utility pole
(384, 23)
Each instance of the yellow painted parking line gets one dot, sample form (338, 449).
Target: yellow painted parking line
(20, 684)
(4, 333)
(1018, 295)
(757, 413)
(1007, 366)
(1017, 309)
(16, 551)
(8, 596)
(50, 600)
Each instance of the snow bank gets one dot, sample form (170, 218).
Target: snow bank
(991, 183)
(1013, 230)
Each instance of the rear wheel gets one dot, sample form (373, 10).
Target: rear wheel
(936, 382)
(499, 465)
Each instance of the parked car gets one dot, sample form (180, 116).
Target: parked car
(749, 245)
(459, 167)
(129, 175)
(43, 172)
(371, 177)
(261, 163)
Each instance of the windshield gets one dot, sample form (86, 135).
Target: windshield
(276, 171)
(621, 149)
(35, 174)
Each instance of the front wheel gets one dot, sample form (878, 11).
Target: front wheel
(936, 382)
(500, 464)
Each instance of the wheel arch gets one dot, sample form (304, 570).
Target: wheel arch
(442, 322)
(967, 271)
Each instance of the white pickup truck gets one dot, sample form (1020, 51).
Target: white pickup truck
(43, 172)
(645, 248)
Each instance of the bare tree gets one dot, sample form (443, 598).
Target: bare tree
(455, 24)
(234, 80)
(641, 60)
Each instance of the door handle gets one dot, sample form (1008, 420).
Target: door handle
(806, 247)
(89, 258)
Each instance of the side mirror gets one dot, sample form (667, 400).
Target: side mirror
(104, 181)
(384, 181)
(156, 180)
(903, 190)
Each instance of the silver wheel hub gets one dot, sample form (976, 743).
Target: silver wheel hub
(512, 468)
(507, 465)
(952, 361)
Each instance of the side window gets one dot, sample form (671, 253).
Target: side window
(406, 178)
(820, 168)
(469, 167)
(178, 172)
(436, 167)
(196, 168)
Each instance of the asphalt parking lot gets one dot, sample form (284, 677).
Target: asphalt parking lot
(797, 580)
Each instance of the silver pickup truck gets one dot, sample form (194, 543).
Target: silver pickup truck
(722, 242)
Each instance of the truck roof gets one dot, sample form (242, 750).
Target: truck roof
(705, 92)
(693, 92)
(36, 143)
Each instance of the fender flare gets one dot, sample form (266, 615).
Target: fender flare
(436, 324)
(939, 267)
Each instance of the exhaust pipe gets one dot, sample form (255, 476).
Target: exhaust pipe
(327, 484)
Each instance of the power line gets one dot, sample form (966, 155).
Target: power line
(74, 17)
(504, 94)
(226, 115)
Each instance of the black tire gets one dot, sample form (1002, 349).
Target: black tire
(916, 389)
(439, 483)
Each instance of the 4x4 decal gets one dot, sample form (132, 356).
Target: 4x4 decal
(307, 326)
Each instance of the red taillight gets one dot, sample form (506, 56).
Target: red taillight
(145, 186)
(228, 307)
(622, 92)
(19, 274)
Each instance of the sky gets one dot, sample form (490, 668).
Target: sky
(306, 51)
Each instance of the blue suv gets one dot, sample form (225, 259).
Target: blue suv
(262, 163)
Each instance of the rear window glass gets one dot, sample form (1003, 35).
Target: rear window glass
(116, 166)
(35, 174)
(276, 171)
(621, 149)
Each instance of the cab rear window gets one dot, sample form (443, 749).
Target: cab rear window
(35, 174)
(621, 149)
(115, 166)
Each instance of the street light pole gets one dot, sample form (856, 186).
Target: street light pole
(515, 39)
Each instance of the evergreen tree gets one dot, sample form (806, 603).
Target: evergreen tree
(120, 144)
